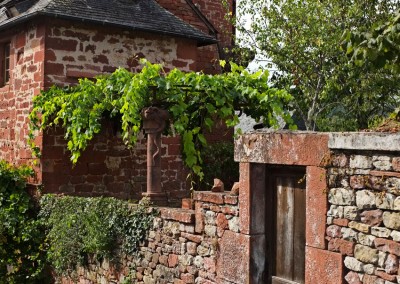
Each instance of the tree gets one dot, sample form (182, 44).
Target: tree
(195, 101)
(302, 40)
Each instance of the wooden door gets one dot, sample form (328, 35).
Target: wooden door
(285, 225)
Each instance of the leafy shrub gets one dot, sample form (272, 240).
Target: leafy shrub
(21, 234)
(99, 227)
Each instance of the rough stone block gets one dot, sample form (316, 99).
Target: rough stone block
(391, 220)
(342, 246)
(380, 232)
(382, 163)
(385, 201)
(366, 254)
(392, 264)
(365, 199)
(353, 264)
(350, 212)
(323, 267)
(341, 196)
(360, 162)
(395, 236)
(366, 240)
(387, 246)
(364, 228)
(352, 278)
(372, 217)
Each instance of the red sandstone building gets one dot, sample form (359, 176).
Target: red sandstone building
(55, 42)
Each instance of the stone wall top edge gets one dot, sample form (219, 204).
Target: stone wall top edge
(376, 141)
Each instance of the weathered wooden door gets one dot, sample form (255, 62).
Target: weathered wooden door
(285, 225)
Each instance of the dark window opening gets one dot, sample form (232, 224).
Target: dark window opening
(5, 63)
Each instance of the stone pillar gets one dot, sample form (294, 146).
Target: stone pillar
(154, 122)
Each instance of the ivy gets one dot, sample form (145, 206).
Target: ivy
(194, 100)
(22, 258)
(79, 228)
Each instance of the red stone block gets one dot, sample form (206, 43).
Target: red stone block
(229, 199)
(199, 218)
(387, 246)
(385, 276)
(357, 182)
(352, 278)
(372, 217)
(172, 260)
(187, 278)
(370, 279)
(323, 267)
(244, 197)
(396, 164)
(176, 214)
(342, 246)
(316, 207)
(341, 222)
(204, 196)
(61, 44)
(191, 237)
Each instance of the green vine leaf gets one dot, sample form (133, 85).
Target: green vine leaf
(194, 100)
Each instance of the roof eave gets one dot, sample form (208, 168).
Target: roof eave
(201, 41)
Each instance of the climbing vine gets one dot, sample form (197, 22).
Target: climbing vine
(195, 101)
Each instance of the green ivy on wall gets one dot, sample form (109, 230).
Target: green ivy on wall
(195, 101)
(79, 228)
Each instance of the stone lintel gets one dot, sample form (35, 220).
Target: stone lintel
(301, 148)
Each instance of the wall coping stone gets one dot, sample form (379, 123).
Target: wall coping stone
(210, 197)
(178, 214)
(377, 141)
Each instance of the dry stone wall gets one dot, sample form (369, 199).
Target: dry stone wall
(183, 246)
(363, 221)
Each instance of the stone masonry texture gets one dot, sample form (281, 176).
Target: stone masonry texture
(366, 185)
(175, 253)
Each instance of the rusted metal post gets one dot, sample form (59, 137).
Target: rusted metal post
(154, 122)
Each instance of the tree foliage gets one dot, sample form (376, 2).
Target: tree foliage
(194, 100)
(379, 46)
(302, 40)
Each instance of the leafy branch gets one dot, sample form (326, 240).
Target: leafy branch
(194, 100)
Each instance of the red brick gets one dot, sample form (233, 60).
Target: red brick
(80, 74)
(387, 246)
(316, 207)
(323, 267)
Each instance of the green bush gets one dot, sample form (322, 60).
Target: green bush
(22, 258)
(97, 227)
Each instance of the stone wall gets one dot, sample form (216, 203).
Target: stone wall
(364, 212)
(26, 80)
(184, 246)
